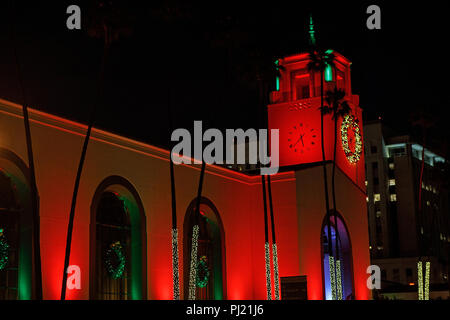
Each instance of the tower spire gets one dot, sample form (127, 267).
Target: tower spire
(312, 38)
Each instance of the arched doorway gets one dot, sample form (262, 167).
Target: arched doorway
(211, 280)
(9, 239)
(118, 242)
(345, 254)
(18, 274)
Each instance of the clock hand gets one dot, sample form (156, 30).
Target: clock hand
(296, 142)
(301, 137)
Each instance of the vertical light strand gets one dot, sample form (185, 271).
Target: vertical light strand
(338, 279)
(332, 277)
(427, 281)
(419, 280)
(268, 280)
(175, 266)
(193, 270)
(276, 278)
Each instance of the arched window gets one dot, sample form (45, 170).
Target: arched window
(118, 250)
(345, 257)
(113, 238)
(211, 252)
(18, 277)
(9, 239)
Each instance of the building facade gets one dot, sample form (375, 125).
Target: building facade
(399, 233)
(122, 229)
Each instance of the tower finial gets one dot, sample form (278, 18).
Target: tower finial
(312, 38)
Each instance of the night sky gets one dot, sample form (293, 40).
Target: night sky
(205, 55)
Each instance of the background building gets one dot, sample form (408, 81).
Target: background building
(399, 234)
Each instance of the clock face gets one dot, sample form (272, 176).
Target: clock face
(302, 138)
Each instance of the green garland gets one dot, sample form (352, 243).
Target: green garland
(115, 260)
(4, 251)
(351, 122)
(202, 272)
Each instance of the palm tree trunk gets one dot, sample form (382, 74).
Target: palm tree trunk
(80, 169)
(37, 289)
(333, 188)
(422, 249)
(195, 234)
(34, 206)
(266, 243)
(327, 201)
(274, 243)
(175, 265)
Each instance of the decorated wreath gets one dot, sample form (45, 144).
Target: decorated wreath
(115, 260)
(4, 250)
(202, 272)
(350, 122)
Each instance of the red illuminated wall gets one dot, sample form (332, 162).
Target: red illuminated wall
(299, 124)
(298, 198)
(236, 196)
(295, 118)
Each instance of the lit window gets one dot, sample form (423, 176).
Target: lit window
(378, 214)
(380, 248)
(376, 197)
(391, 166)
(434, 190)
(365, 183)
(421, 230)
(428, 203)
(393, 197)
(367, 199)
(370, 247)
(423, 185)
(392, 182)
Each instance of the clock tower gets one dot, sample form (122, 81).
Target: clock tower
(294, 109)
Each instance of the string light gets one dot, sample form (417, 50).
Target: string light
(420, 280)
(332, 277)
(175, 269)
(351, 122)
(275, 271)
(427, 281)
(4, 251)
(268, 282)
(338, 279)
(193, 270)
(202, 273)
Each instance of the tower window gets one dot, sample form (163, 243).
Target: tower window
(301, 85)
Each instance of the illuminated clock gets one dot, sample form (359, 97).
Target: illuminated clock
(351, 138)
(302, 138)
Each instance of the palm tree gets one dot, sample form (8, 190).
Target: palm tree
(274, 243)
(33, 188)
(195, 233)
(108, 25)
(424, 122)
(266, 242)
(319, 59)
(175, 266)
(337, 107)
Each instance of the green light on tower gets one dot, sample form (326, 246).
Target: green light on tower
(328, 73)
(277, 81)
